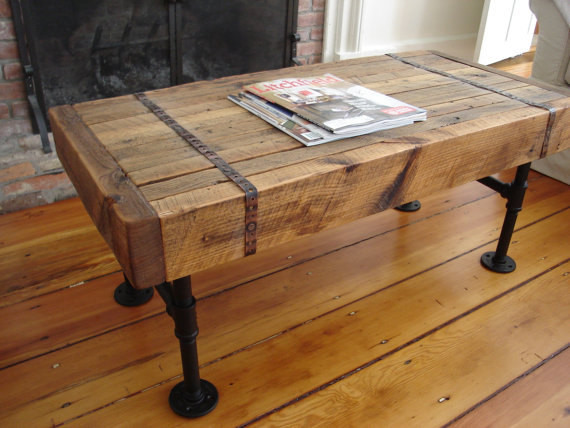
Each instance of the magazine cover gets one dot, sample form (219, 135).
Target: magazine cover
(337, 105)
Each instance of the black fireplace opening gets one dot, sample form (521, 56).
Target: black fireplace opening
(80, 50)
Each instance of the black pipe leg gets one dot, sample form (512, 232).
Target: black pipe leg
(127, 295)
(498, 261)
(193, 397)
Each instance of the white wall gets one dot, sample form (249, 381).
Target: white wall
(355, 28)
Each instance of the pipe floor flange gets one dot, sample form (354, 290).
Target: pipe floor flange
(126, 295)
(488, 261)
(183, 406)
(409, 206)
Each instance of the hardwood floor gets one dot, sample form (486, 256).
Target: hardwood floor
(387, 322)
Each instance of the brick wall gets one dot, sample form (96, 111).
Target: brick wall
(29, 177)
(310, 27)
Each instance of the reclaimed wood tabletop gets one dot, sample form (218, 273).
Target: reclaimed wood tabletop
(168, 212)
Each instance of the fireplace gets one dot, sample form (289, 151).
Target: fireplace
(78, 50)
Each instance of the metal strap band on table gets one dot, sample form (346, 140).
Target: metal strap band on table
(251, 194)
(531, 103)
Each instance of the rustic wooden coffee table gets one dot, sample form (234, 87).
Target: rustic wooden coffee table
(179, 180)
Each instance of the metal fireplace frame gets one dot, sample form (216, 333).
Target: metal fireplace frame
(32, 69)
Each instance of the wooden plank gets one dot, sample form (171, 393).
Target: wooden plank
(107, 109)
(311, 196)
(114, 131)
(446, 367)
(123, 217)
(429, 59)
(17, 227)
(539, 399)
(267, 375)
(35, 264)
(142, 355)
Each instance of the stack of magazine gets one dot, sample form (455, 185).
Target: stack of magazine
(317, 110)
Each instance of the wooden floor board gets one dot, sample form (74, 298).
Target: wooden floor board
(83, 318)
(544, 393)
(30, 266)
(388, 321)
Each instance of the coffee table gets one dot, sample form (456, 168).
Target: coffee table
(180, 180)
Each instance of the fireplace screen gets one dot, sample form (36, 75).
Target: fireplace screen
(78, 50)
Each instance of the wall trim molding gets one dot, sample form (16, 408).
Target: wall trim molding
(342, 29)
(346, 23)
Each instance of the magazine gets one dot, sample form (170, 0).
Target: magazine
(301, 129)
(337, 105)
